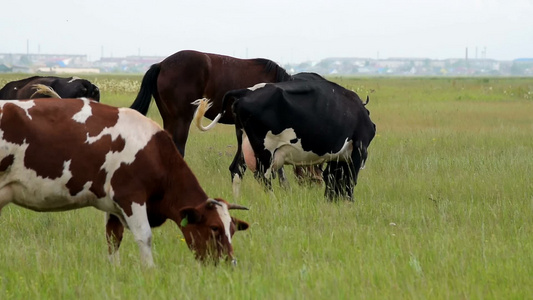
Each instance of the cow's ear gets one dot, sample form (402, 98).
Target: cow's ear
(240, 225)
(189, 215)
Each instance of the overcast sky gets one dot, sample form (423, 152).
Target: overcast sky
(281, 30)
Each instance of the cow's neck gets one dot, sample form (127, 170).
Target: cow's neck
(183, 189)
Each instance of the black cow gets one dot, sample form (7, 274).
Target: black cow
(302, 122)
(72, 87)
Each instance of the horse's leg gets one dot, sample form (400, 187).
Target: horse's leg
(114, 234)
(179, 129)
(174, 104)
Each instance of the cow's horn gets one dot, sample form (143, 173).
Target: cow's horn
(213, 201)
(236, 206)
(367, 99)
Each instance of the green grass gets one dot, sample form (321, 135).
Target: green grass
(442, 211)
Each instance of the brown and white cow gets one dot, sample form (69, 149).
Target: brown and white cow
(58, 155)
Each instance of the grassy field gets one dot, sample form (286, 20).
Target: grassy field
(443, 210)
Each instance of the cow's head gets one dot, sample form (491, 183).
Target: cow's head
(208, 229)
(77, 88)
(86, 89)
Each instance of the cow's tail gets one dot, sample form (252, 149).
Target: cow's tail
(44, 90)
(148, 88)
(203, 105)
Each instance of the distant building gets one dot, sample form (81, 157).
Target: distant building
(30, 63)
(394, 66)
(60, 70)
(128, 64)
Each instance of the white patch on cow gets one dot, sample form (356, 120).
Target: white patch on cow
(286, 152)
(140, 228)
(132, 127)
(73, 79)
(136, 131)
(25, 105)
(84, 113)
(224, 215)
(257, 86)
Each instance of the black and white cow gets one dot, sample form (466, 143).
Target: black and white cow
(300, 123)
(58, 87)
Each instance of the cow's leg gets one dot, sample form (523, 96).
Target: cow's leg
(263, 174)
(353, 167)
(316, 173)
(330, 181)
(114, 234)
(283, 179)
(299, 172)
(308, 174)
(350, 180)
(140, 228)
(6, 194)
(347, 180)
(277, 166)
(336, 179)
(238, 166)
(264, 179)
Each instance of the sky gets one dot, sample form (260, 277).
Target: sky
(285, 31)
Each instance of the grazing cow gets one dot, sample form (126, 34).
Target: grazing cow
(72, 87)
(299, 123)
(58, 155)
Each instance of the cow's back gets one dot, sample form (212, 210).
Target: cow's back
(315, 110)
(22, 88)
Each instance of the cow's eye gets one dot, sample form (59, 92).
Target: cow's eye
(214, 229)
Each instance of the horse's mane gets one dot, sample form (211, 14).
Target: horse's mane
(270, 66)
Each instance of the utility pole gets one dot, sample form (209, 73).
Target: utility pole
(466, 60)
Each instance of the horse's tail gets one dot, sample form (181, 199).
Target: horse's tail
(203, 105)
(148, 88)
(44, 90)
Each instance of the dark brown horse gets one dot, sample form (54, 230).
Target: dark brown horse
(189, 75)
